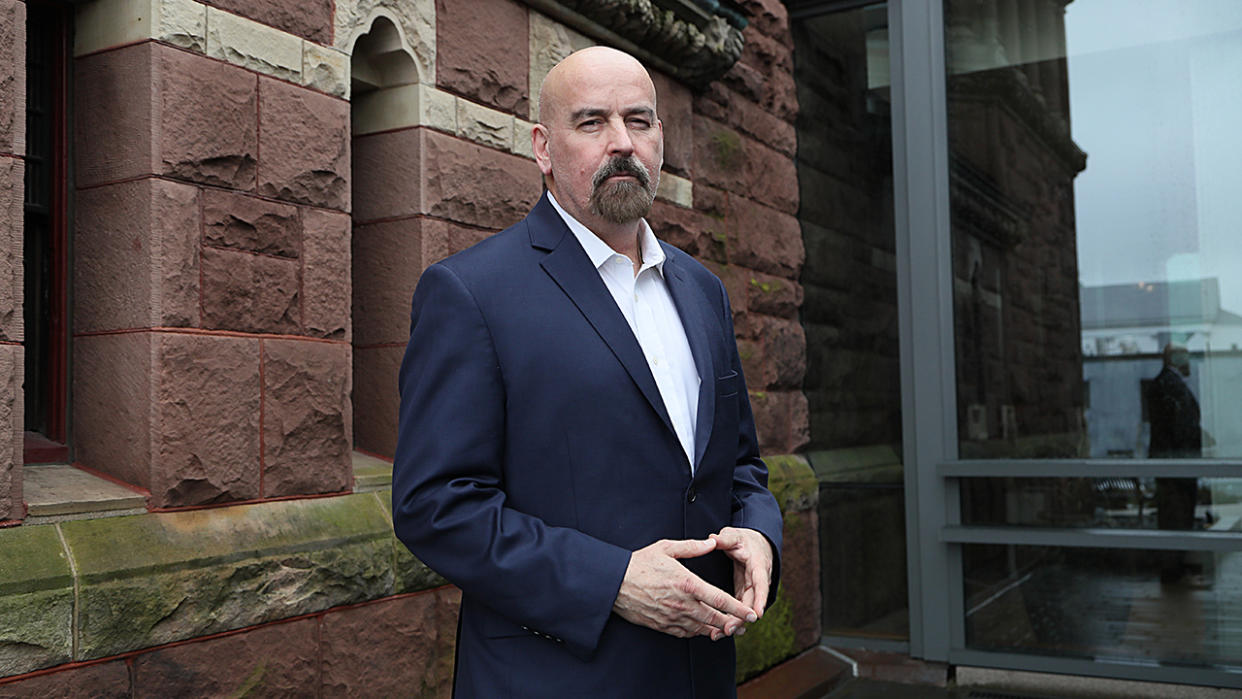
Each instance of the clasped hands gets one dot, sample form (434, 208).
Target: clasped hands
(660, 593)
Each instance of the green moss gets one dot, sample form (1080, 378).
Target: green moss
(792, 481)
(767, 641)
(765, 287)
(727, 149)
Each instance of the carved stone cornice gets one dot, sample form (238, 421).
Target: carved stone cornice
(677, 37)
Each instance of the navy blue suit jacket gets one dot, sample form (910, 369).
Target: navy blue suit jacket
(535, 453)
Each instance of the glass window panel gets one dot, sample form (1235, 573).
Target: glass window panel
(1128, 605)
(1181, 504)
(852, 381)
(1095, 162)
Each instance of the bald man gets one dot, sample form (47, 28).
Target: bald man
(576, 449)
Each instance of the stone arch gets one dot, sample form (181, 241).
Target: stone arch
(414, 21)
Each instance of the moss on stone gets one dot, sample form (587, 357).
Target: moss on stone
(727, 149)
(792, 481)
(767, 641)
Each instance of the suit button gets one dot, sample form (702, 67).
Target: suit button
(692, 494)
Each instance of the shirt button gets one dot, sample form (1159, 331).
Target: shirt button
(692, 494)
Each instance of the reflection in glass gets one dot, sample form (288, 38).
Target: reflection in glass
(850, 318)
(1094, 159)
(1104, 604)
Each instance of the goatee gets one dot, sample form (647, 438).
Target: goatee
(622, 201)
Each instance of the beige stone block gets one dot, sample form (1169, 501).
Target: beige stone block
(550, 43)
(484, 125)
(402, 107)
(521, 138)
(678, 190)
(106, 23)
(252, 45)
(415, 20)
(325, 69)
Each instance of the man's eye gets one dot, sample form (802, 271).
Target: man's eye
(591, 124)
(640, 124)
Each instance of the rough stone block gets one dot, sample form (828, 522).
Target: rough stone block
(770, 17)
(105, 24)
(522, 144)
(739, 164)
(208, 119)
(251, 293)
(412, 575)
(304, 136)
(388, 259)
(253, 45)
(483, 125)
(421, 630)
(550, 43)
(774, 296)
(387, 171)
(136, 256)
(235, 220)
(36, 600)
(205, 422)
(325, 69)
(677, 190)
(781, 418)
(101, 681)
(114, 108)
(307, 417)
(470, 184)
(764, 239)
(674, 105)
(309, 19)
(482, 52)
(12, 369)
(12, 189)
(326, 287)
(112, 377)
(416, 18)
(13, 77)
(375, 398)
(151, 579)
(725, 106)
(277, 660)
(688, 229)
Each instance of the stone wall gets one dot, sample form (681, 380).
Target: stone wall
(12, 147)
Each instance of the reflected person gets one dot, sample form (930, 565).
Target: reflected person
(1175, 434)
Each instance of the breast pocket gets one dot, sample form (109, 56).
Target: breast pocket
(728, 385)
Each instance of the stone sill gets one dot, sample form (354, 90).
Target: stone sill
(84, 589)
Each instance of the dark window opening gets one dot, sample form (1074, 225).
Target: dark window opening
(46, 228)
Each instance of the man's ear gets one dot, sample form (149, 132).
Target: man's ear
(539, 144)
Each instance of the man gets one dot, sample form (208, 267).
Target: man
(576, 449)
(1175, 434)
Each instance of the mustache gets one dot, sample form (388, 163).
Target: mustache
(622, 165)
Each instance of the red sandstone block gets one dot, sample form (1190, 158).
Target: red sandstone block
(277, 660)
(770, 17)
(13, 77)
(11, 415)
(800, 575)
(482, 52)
(251, 293)
(12, 188)
(376, 399)
(235, 220)
(457, 238)
(304, 137)
(112, 415)
(418, 633)
(136, 256)
(326, 284)
(741, 165)
(205, 419)
(388, 259)
(309, 19)
(688, 229)
(781, 419)
(674, 105)
(102, 681)
(207, 119)
(764, 239)
(114, 106)
(772, 295)
(387, 172)
(471, 184)
(307, 417)
(724, 105)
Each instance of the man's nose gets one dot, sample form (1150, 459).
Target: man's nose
(619, 142)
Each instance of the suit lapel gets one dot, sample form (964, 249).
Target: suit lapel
(568, 265)
(693, 307)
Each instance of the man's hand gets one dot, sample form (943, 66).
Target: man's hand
(752, 564)
(660, 593)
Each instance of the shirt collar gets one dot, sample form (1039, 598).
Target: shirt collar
(599, 252)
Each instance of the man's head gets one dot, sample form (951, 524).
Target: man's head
(1178, 358)
(599, 142)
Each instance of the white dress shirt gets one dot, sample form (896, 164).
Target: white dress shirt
(645, 302)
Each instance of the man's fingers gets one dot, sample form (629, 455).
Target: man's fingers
(688, 548)
(761, 587)
(720, 600)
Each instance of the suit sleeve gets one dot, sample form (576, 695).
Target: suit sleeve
(449, 505)
(754, 506)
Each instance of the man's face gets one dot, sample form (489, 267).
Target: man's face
(604, 144)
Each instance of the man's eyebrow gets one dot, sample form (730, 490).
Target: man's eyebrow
(585, 112)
